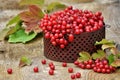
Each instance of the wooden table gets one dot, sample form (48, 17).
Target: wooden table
(11, 53)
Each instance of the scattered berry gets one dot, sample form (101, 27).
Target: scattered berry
(78, 75)
(51, 72)
(52, 67)
(9, 71)
(64, 64)
(51, 64)
(43, 61)
(70, 70)
(72, 76)
(35, 69)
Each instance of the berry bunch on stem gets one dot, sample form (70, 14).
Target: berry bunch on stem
(60, 27)
(99, 66)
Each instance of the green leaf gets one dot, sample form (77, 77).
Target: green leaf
(24, 61)
(106, 46)
(55, 6)
(100, 54)
(111, 58)
(32, 2)
(12, 26)
(14, 20)
(104, 41)
(21, 36)
(3, 33)
(116, 63)
(118, 55)
(15, 28)
(84, 56)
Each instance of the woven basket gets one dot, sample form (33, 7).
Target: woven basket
(83, 42)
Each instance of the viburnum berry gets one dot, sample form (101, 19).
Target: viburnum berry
(50, 64)
(70, 70)
(78, 75)
(35, 69)
(102, 66)
(72, 76)
(76, 62)
(70, 37)
(9, 71)
(43, 61)
(52, 67)
(64, 64)
(51, 72)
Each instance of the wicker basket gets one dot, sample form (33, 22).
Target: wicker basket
(82, 42)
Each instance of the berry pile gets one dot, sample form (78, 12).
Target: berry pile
(61, 26)
(100, 66)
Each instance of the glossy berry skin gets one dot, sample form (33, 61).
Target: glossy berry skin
(70, 37)
(43, 61)
(64, 64)
(51, 64)
(35, 69)
(51, 72)
(78, 75)
(52, 67)
(102, 66)
(70, 70)
(72, 76)
(9, 71)
(76, 62)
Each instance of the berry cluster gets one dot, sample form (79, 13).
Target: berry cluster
(61, 26)
(85, 65)
(100, 66)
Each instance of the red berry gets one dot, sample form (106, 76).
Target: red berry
(52, 67)
(62, 46)
(85, 62)
(99, 70)
(43, 61)
(82, 66)
(103, 70)
(101, 66)
(51, 64)
(9, 71)
(70, 70)
(105, 62)
(95, 69)
(51, 72)
(106, 66)
(93, 65)
(78, 75)
(88, 66)
(64, 64)
(71, 37)
(35, 69)
(54, 43)
(108, 71)
(76, 62)
(90, 62)
(72, 76)
(47, 35)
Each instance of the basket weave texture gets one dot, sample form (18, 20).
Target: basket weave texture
(83, 42)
